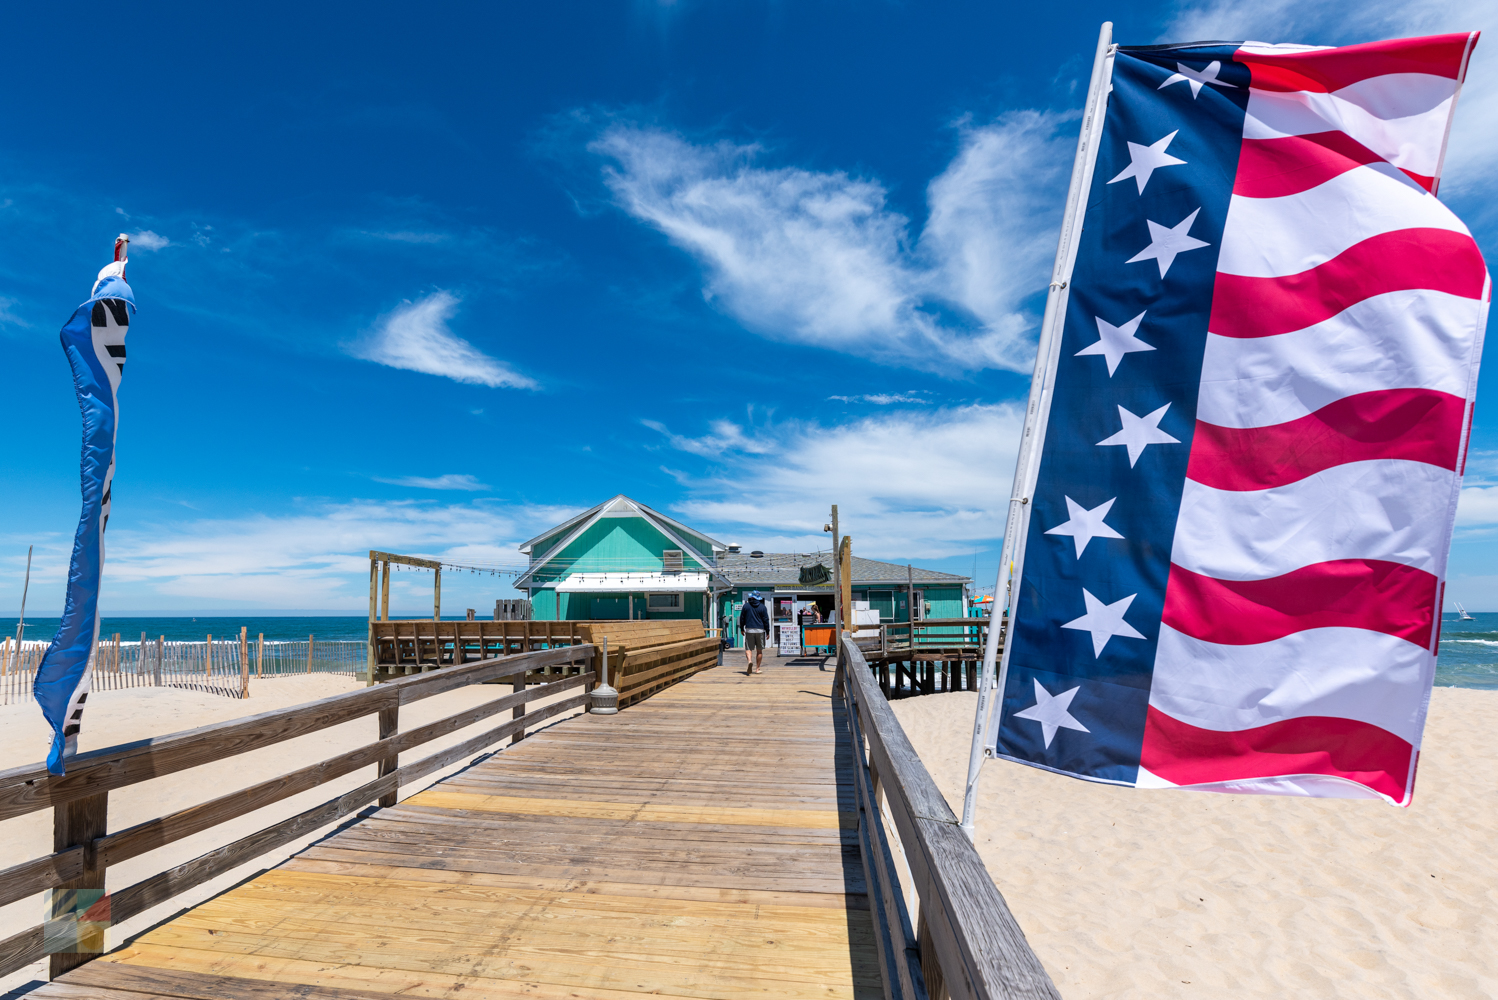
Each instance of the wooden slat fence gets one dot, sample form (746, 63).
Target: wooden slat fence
(83, 849)
(961, 942)
(219, 666)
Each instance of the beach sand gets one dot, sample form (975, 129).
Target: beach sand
(1129, 893)
(115, 717)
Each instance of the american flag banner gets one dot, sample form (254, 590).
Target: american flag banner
(1249, 425)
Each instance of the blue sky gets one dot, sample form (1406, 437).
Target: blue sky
(433, 279)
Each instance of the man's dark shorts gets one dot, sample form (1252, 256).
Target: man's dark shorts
(754, 641)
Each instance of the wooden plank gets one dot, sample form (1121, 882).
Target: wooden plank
(21, 949)
(178, 983)
(155, 833)
(31, 877)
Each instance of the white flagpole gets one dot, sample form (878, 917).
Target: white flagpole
(1038, 410)
(21, 624)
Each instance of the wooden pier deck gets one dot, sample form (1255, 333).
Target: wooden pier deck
(701, 844)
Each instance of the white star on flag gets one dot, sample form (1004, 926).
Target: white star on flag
(1085, 525)
(1185, 74)
(1104, 621)
(1051, 711)
(1145, 160)
(1116, 341)
(1166, 243)
(1139, 432)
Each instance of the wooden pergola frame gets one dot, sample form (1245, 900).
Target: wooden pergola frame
(379, 591)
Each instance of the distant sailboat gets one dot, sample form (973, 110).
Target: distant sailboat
(1461, 613)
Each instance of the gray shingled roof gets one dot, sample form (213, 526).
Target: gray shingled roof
(784, 569)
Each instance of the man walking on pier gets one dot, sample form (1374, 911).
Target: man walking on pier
(754, 622)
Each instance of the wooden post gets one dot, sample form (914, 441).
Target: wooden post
(140, 661)
(244, 661)
(309, 654)
(437, 599)
(389, 726)
(208, 660)
(116, 652)
(845, 569)
(76, 823)
(370, 655)
(160, 655)
(385, 592)
(837, 590)
(259, 655)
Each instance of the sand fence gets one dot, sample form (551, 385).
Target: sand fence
(215, 665)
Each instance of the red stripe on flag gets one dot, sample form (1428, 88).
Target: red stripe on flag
(1345, 748)
(1436, 259)
(1273, 168)
(1368, 594)
(1415, 425)
(1328, 70)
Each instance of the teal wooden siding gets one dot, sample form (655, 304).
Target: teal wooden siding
(616, 545)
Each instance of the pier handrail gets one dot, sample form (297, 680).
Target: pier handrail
(966, 944)
(83, 849)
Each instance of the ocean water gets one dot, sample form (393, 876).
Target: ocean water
(1468, 656)
(184, 629)
(1469, 651)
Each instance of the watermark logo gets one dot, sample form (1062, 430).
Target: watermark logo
(76, 921)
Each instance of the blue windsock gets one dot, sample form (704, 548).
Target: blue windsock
(94, 342)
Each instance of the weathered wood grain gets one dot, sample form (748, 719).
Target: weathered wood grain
(21, 949)
(31, 877)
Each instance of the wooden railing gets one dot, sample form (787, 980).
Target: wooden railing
(645, 656)
(963, 942)
(83, 847)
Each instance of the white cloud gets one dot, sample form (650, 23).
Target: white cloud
(1467, 181)
(819, 258)
(451, 481)
(882, 398)
(416, 337)
(726, 436)
(948, 491)
(147, 240)
(316, 558)
(8, 316)
(1478, 507)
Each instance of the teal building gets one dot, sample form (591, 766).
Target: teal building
(622, 560)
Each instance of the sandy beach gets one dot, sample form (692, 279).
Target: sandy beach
(1125, 893)
(116, 717)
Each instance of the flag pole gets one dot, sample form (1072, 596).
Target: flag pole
(21, 624)
(1038, 409)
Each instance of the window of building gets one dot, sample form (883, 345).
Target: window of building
(665, 602)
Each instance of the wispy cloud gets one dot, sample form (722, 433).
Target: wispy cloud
(8, 316)
(148, 241)
(883, 398)
(416, 337)
(406, 236)
(820, 258)
(451, 481)
(954, 494)
(726, 436)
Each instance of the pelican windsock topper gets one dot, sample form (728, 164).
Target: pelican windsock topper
(94, 342)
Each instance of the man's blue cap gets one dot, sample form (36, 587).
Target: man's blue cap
(754, 594)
